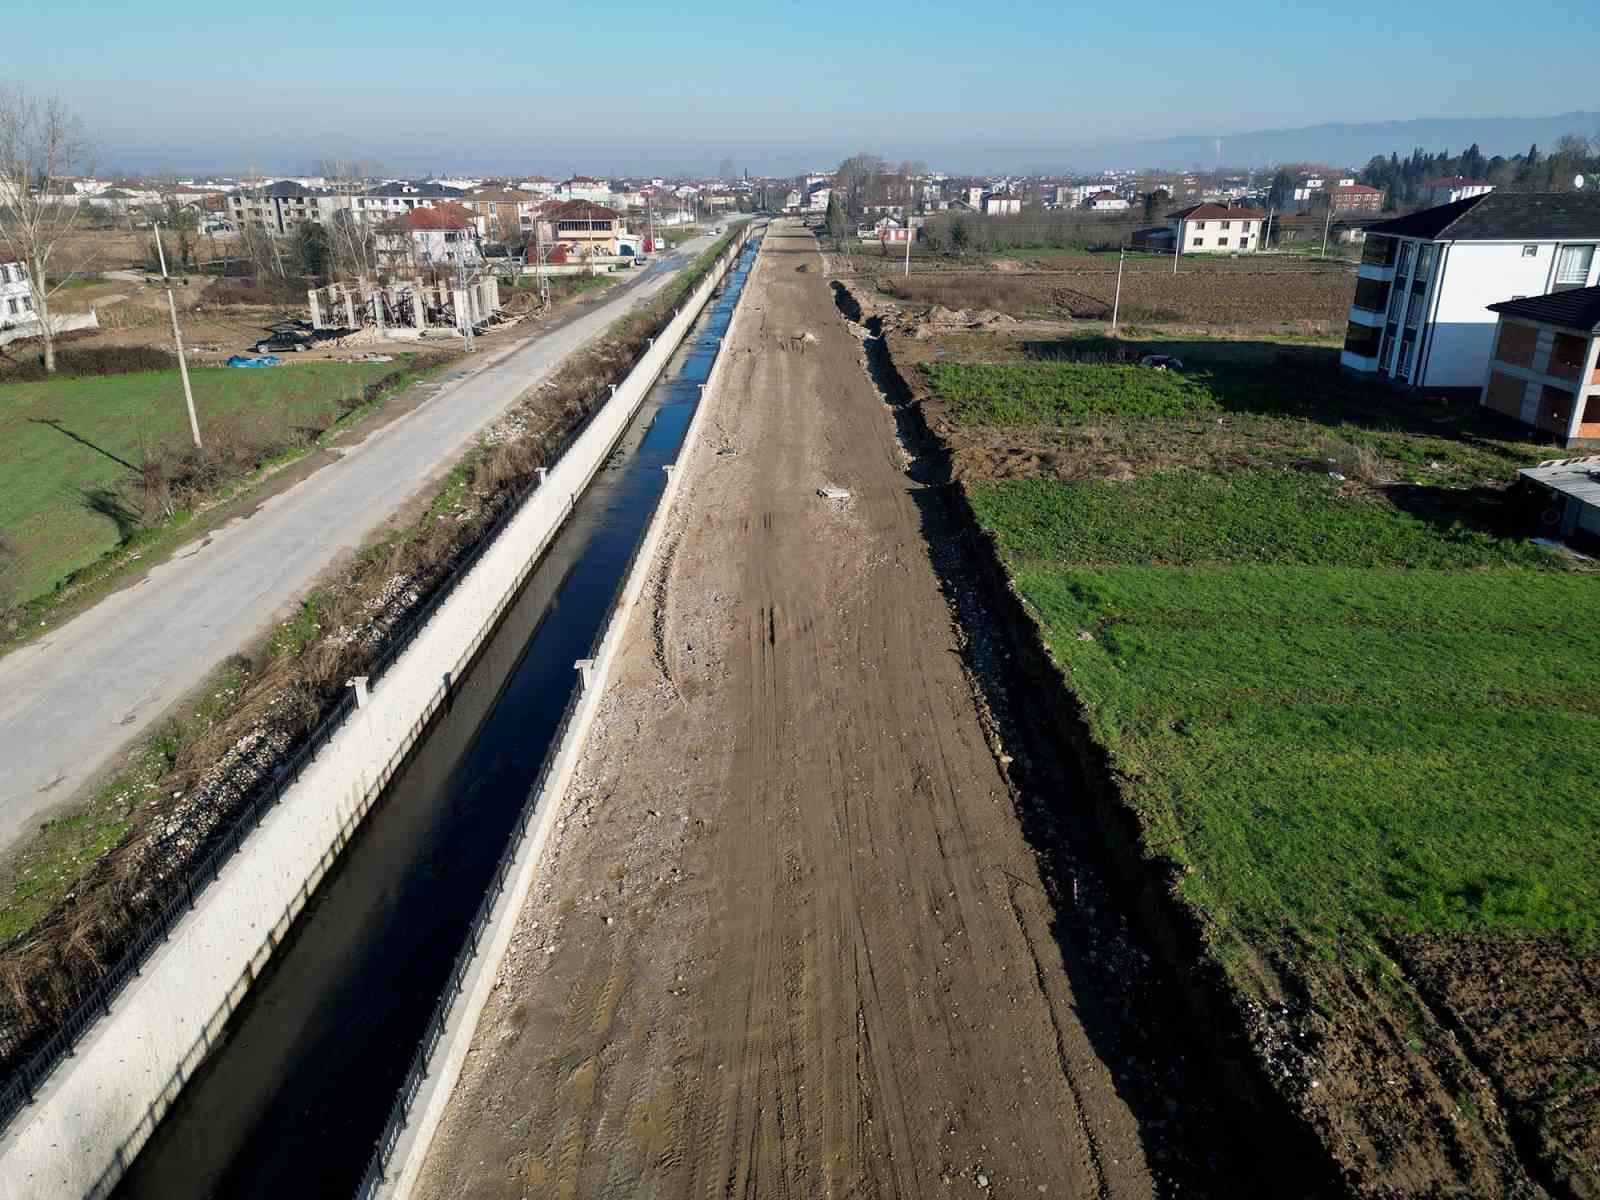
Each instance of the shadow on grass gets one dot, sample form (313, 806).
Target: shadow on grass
(107, 503)
(1273, 379)
(52, 423)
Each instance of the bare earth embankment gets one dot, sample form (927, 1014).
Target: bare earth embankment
(790, 938)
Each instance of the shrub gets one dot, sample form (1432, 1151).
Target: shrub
(73, 361)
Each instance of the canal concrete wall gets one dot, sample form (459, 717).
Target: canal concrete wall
(450, 1054)
(101, 1104)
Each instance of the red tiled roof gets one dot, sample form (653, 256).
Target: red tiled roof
(1208, 211)
(581, 210)
(1354, 189)
(443, 216)
(1105, 196)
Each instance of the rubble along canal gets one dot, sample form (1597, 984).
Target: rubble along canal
(296, 1092)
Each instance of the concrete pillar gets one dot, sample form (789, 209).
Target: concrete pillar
(463, 314)
(418, 310)
(544, 473)
(349, 309)
(316, 309)
(359, 683)
(585, 667)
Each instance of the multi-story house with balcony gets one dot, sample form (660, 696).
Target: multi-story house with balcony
(16, 296)
(1545, 366)
(1421, 316)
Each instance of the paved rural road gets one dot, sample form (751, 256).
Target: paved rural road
(788, 938)
(72, 700)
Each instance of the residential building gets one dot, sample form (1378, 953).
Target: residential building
(1106, 202)
(1355, 199)
(505, 214)
(1421, 317)
(817, 197)
(1216, 229)
(396, 198)
(435, 235)
(16, 297)
(584, 187)
(1448, 191)
(1309, 190)
(1544, 368)
(278, 208)
(587, 228)
(996, 204)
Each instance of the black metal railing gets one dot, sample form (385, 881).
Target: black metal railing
(24, 1081)
(438, 1020)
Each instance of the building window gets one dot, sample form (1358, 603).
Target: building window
(1572, 267)
(13, 305)
(1425, 261)
(1362, 340)
(1372, 295)
(1199, 241)
(1199, 224)
(1226, 224)
(1222, 241)
(1530, 252)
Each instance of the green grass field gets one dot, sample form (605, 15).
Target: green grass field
(67, 445)
(1346, 707)
(1052, 393)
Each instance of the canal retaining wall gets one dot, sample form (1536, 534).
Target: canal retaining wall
(99, 1106)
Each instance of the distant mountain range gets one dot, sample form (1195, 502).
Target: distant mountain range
(1336, 143)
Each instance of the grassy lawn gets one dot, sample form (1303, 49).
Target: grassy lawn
(68, 445)
(1347, 709)
(1349, 701)
(1345, 718)
(1052, 393)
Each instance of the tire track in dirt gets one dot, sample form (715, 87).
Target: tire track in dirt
(817, 980)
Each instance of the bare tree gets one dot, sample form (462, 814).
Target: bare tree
(40, 140)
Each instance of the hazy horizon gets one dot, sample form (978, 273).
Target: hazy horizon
(658, 92)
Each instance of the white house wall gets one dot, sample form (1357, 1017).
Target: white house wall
(1476, 275)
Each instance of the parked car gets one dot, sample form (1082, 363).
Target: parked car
(285, 339)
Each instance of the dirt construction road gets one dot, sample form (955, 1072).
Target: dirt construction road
(789, 939)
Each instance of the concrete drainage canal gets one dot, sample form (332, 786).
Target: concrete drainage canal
(293, 1099)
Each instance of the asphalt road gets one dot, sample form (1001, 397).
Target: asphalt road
(72, 700)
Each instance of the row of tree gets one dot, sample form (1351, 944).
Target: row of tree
(1405, 180)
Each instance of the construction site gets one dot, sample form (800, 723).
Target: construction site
(804, 927)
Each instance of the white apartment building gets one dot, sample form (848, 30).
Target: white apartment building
(1217, 229)
(16, 297)
(1421, 315)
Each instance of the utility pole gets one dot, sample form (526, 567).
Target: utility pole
(910, 233)
(1177, 243)
(1326, 223)
(1116, 302)
(177, 339)
(461, 290)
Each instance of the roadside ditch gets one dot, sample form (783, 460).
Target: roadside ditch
(1192, 1041)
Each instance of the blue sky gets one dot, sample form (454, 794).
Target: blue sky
(423, 85)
